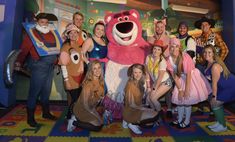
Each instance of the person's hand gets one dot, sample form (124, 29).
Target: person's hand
(186, 94)
(148, 90)
(213, 100)
(180, 95)
(67, 85)
(17, 66)
(84, 58)
(199, 42)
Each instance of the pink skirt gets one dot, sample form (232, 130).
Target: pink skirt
(200, 88)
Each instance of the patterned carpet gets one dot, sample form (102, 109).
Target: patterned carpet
(13, 128)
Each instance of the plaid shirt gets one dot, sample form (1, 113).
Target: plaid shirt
(219, 43)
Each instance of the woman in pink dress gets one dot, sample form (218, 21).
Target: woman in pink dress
(191, 87)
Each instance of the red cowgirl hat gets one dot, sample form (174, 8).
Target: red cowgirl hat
(159, 43)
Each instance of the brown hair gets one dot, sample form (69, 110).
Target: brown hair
(226, 72)
(161, 55)
(98, 23)
(141, 82)
(89, 74)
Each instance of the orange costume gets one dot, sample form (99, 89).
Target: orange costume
(73, 72)
(71, 58)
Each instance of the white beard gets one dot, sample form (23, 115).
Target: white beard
(43, 29)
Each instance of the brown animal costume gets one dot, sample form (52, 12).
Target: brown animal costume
(85, 107)
(133, 93)
(134, 112)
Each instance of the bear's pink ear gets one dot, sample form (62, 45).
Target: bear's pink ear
(108, 18)
(135, 13)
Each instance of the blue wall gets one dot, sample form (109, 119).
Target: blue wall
(10, 38)
(228, 13)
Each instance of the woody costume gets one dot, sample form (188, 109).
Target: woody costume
(210, 38)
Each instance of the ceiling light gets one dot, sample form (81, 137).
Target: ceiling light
(112, 1)
(189, 9)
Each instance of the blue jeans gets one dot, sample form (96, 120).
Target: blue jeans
(42, 71)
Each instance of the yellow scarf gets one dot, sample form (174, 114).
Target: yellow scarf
(152, 68)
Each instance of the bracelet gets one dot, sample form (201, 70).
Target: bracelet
(213, 96)
(66, 79)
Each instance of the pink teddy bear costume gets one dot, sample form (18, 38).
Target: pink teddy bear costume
(126, 47)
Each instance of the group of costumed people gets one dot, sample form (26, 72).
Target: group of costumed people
(125, 71)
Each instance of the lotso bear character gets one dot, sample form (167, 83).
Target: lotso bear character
(126, 47)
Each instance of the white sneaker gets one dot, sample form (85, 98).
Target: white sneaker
(70, 126)
(219, 128)
(124, 124)
(214, 125)
(135, 129)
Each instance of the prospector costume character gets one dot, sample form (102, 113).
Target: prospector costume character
(41, 66)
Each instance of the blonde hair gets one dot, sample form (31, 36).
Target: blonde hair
(179, 61)
(226, 72)
(90, 73)
(78, 13)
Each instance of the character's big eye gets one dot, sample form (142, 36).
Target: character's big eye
(84, 35)
(75, 57)
(120, 19)
(126, 18)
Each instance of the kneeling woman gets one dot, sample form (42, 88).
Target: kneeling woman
(134, 114)
(92, 94)
(222, 82)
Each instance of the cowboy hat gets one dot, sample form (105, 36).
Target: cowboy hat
(199, 22)
(71, 27)
(159, 43)
(48, 16)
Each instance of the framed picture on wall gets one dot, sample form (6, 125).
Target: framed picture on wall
(43, 49)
